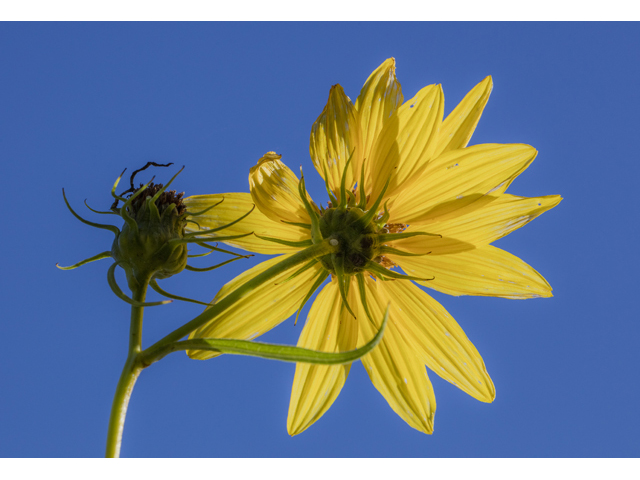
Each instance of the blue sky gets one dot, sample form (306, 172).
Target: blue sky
(82, 101)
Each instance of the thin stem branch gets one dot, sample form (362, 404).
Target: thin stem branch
(132, 368)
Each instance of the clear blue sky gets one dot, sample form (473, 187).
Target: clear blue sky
(79, 102)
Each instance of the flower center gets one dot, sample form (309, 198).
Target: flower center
(164, 200)
(357, 243)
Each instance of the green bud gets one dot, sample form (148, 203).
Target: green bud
(146, 248)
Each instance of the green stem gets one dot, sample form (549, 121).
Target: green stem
(132, 368)
(138, 360)
(158, 350)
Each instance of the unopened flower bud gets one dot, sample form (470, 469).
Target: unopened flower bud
(146, 247)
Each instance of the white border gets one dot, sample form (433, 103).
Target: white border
(323, 469)
(322, 10)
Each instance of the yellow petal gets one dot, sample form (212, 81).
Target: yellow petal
(260, 310)
(457, 179)
(430, 245)
(496, 219)
(379, 98)
(438, 339)
(335, 135)
(233, 207)
(274, 189)
(407, 142)
(459, 125)
(395, 368)
(486, 271)
(329, 328)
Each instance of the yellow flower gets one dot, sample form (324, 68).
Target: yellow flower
(405, 191)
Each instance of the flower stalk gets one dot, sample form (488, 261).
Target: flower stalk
(132, 368)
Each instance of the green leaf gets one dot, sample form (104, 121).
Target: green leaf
(284, 353)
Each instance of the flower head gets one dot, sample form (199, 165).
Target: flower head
(405, 192)
(144, 247)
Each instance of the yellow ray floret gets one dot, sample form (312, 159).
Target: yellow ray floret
(315, 387)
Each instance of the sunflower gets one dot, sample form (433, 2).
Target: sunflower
(405, 193)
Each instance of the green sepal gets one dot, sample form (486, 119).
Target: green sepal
(195, 223)
(196, 255)
(99, 256)
(284, 353)
(299, 271)
(169, 209)
(332, 198)
(343, 181)
(153, 208)
(208, 269)
(129, 220)
(137, 193)
(363, 296)
(98, 211)
(320, 278)
(164, 187)
(338, 268)
(316, 236)
(384, 250)
(385, 216)
(154, 284)
(301, 225)
(386, 274)
(390, 237)
(372, 213)
(195, 214)
(352, 198)
(362, 205)
(199, 240)
(124, 210)
(301, 244)
(115, 185)
(222, 250)
(111, 228)
(111, 278)
(217, 229)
